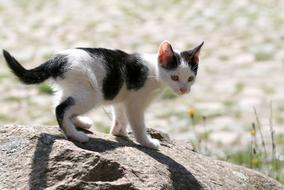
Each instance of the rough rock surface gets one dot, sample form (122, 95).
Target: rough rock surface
(38, 157)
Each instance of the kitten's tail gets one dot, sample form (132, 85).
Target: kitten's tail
(52, 68)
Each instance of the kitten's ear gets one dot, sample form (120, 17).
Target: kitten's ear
(165, 53)
(196, 53)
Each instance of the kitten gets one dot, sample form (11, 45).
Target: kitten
(89, 77)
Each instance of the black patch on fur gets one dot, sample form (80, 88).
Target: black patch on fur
(62, 108)
(136, 72)
(52, 68)
(120, 68)
(188, 57)
(173, 63)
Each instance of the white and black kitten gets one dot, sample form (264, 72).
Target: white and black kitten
(85, 78)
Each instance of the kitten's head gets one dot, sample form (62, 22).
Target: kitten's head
(178, 69)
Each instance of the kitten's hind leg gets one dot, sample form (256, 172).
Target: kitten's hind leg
(82, 122)
(63, 114)
(119, 122)
(66, 111)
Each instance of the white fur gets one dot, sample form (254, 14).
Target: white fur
(82, 122)
(84, 82)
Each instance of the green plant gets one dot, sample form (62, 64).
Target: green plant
(263, 56)
(101, 127)
(168, 94)
(45, 89)
(263, 154)
(239, 87)
(244, 158)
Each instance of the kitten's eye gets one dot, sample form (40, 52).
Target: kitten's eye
(191, 78)
(174, 77)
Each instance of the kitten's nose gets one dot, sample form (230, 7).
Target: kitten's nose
(183, 90)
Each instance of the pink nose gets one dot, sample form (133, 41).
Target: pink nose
(183, 90)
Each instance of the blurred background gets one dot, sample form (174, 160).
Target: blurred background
(236, 109)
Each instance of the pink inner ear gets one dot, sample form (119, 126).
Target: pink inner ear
(197, 53)
(196, 57)
(165, 53)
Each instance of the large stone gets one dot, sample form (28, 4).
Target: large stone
(39, 157)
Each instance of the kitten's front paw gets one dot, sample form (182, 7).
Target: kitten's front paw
(119, 133)
(119, 129)
(151, 143)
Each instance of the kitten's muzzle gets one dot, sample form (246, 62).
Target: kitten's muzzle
(184, 91)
